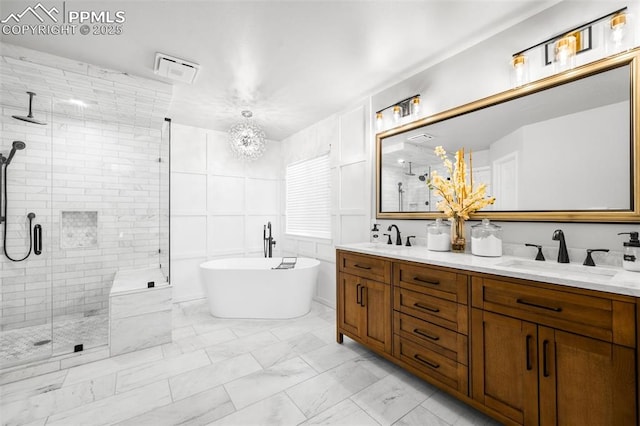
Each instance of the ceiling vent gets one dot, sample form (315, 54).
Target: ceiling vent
(176, 69)
(422, 137)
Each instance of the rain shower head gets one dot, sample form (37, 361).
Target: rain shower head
(410, 172)
(17, 145)
(29, 118)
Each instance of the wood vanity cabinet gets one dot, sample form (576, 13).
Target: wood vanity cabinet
(524, 352)
(430, 323)
(364, 300)
(546, 356)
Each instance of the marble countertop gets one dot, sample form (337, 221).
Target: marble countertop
(609, 279)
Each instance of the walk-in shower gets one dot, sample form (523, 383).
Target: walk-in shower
(85, 193)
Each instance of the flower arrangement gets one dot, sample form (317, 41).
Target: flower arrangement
(459, 198)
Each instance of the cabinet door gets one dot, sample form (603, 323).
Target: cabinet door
(350, 314)
(504, 365)
(584, 381)
(377, 301)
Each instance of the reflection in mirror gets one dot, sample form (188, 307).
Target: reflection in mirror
(564, 148)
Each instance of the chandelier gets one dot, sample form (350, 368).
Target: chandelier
(246, 139)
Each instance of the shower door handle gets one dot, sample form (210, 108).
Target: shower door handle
(37, 240)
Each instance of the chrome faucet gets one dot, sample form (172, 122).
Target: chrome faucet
(267, 240)
(398, 237)
(563, 255)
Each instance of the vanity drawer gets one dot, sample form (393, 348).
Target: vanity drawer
(432, 364)
(371, 267)
(438, 311)
(439, 339)
(434, 281)
(600, 317)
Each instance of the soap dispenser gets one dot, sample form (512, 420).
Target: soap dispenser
(631, 254)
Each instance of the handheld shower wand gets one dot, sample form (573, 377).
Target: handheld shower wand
(4, 162)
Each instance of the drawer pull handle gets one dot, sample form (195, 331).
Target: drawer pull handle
(528, 349)
(425, 334)
(362, 267)
(545, 366)
(425, 307)
(426, 361)
(358, 295)
(536, 305)
(422, 280)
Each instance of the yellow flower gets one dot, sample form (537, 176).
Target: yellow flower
(458, 198)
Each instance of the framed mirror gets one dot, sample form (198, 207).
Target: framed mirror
(565, 149)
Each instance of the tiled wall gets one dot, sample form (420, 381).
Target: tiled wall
(102, 158)
(219, 204)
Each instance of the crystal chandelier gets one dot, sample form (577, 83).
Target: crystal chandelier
(246, 139)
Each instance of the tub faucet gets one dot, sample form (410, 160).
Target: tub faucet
(563, 255)
(398, 237)
(267, 240)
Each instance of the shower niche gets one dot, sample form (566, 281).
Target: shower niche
(78, 229)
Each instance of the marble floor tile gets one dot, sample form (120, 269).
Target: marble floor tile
(162, 369)
(282, 351)
(116, 408)
(240, 346)
(456, 412)
(210, 376)
(420, 416)
(199, 409)
(347, 413)
(298, 326)
(56, 400)
(32, 386)
(181, 332)
(277, 410)
(14, 375)
(197, 341)
(264, 383)
(332, 355)
(114, 364)
(389, 399)
(325, 390)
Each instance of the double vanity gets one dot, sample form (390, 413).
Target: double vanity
(526, 342)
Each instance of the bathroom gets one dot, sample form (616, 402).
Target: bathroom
(116, 186)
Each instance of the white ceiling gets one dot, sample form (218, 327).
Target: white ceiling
(292, 63)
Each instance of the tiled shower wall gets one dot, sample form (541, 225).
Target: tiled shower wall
(100, 161)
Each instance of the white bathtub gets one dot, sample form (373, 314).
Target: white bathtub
(249, 288)
(139, 310)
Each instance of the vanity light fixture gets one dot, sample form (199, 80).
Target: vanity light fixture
(561, 49)
(520, 69)
(408, 106)
(565, 52)
(620, 32)
(246, 139)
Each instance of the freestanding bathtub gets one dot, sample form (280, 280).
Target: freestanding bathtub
(250, 288)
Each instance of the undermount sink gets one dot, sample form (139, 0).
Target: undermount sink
(570, 269)
(381, 246)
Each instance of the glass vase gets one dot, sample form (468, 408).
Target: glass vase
(458, 241)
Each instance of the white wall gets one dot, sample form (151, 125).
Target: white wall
(219, 204)
(345, 135)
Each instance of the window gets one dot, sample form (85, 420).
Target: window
(308, 198)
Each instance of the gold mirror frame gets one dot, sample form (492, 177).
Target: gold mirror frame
(630, 58)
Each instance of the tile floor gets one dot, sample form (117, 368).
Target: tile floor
(236, 372)
(20, 344)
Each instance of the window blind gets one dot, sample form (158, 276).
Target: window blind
(308, 198)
